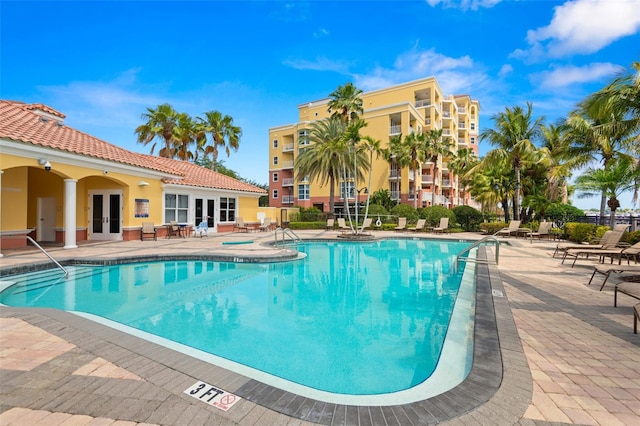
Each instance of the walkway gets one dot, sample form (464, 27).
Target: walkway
(576, 361)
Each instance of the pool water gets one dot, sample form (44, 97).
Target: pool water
(350, 318)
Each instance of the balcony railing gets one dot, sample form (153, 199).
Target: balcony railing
(428, 179)
(446, 132)
(394, 130)
(446, 114)
(462, 110)
(445, 165)
(287, 199)
(287, 164)
(287, 182)
(423, 103)
(394, 174)
(287, 147)
(446, 183)
(462, 125)
(462, 141)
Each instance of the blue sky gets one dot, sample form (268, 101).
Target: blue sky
(102, 63)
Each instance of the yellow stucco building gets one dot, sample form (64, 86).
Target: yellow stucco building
(416, 106)
(62, 185)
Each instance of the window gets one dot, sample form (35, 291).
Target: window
(227, 209)
(303, 137)
(275, 194)
(303, 192)
(349, 189)
(473, 140)
(275, 161)
(275, 177)
(473, 126)
(176, 207)
(275, 143)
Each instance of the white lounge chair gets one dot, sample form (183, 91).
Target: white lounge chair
(444, 225)
(512, 229)
(419, 226)
(402, 224)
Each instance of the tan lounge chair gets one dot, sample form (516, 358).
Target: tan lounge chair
(609, 239)
(366, 224)
(402, 224)
(602, 253)
(148, 228)
(240, 225)
(607, 270)
(629, 288)
(342, 225)
(544, 231)
(512, 229)
(330, 224)
(419, 226)
(444, 225)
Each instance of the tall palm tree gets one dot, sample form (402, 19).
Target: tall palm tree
(159, 124)
(556, 158)
(345, 102)
(219, 132)
(513, 138)
(463, 161)
(326, 156)
(409, 152)
(184, 135)
(436, 147)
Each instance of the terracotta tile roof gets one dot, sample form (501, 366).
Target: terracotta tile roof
(19, 122)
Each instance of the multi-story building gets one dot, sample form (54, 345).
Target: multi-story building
(416, 106)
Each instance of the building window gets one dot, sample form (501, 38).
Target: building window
(275, 177)
(473, 126)
(303, 137)
(176, 208)
(303, 192)
(275, 193)
(473, 140)
(275, 143)
(348, 187)
(227, 209)
(275, 161)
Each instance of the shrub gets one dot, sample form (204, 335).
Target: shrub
(492, 227)
(562, 213)
(405, 210)
(580, 232)
(376, 210)
(633, 237)
(468, 217)
(307, 225)
(433, 214)
(311, 214)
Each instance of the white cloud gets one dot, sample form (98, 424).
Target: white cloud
(582, 27)
(455, 75)
(320, 64)
(505, 70)
(464, 4)
(566, 76)
(321, 33)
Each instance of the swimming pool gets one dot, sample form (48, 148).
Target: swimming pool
(351, 318)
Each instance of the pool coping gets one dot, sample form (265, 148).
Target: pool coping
(497, 390)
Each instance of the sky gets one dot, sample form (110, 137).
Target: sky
(103, 63)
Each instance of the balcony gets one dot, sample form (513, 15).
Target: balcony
(462, 125)
(423, 103)
(427, 179)
(287, 164)
(446, 132)
(287, 147)
(462, 110)
(394, 174)
(445, 165)
(446, 183)
(287, 182)
(395, 130)
(287, 199)
(446, 114)
(462, 141)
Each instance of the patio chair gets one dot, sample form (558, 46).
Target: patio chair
(419, 226)
(610, 251)
(367, 223)
(173, 229)
(266, 225)
(148, 228)
(330, 224)
(609, 239)
(544, 230)
(444, 225)
(607, 270)
(342, 225)
(202, 228)
(402, 224)
(512, 229)
(240, 226)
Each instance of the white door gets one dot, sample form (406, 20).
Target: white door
(105, 215)
(46, 219)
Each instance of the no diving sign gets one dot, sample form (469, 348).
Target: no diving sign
(212, 395)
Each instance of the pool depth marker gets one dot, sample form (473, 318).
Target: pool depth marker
(212, 395)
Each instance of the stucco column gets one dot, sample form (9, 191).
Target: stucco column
(70, 213)
(1, 172)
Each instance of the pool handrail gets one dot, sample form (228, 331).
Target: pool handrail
(476, 244)
(286, 231)
(66, 273)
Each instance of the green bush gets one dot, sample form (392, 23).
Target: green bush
(468, 217)
(492, 227)
(633, 237)
(580, 232)
(433, 214)
(307, 225)
(405, 210)
(376, 210)
(310, 214)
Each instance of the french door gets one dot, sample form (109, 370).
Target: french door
(105, 215)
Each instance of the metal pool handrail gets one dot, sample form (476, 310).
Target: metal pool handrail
(476, 244)
(66, 273)
(289, 232)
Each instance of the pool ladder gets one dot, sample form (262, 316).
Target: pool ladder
(286, 232)
(66, 273)
(476, 244)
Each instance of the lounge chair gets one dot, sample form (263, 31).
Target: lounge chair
(148, 228)
(443, 226)
(607, 270)
(544, 230)
(609, 239)
(626, 287)
(342, 225)
(402, 224)
(419, 226)
(202, 228)
(240, 225)
(367, 223)
(330, 224)
(512, 229)
(602, 253)
(266, 225)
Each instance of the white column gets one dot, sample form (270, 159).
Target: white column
(70, 213)
(1, 172)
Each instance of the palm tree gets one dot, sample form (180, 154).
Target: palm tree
(218, 131)
(463, 161)
(436, 147)
(346, 102)
(327, 155)
(408, 152)
(160, 123)
(556, 159)
(620, 176)
(513, 137)
(184, 135)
